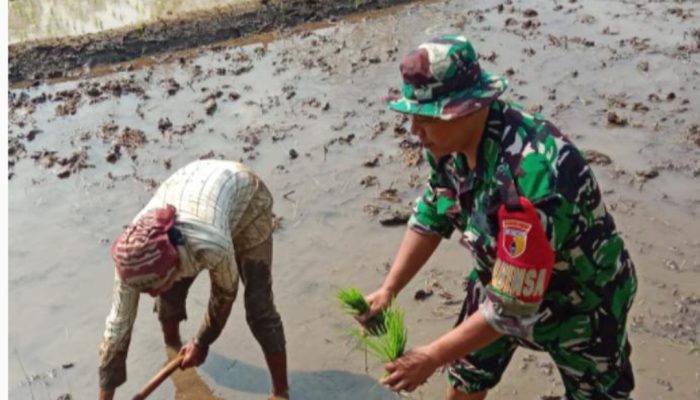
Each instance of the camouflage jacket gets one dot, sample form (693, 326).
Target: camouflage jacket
(592, 271)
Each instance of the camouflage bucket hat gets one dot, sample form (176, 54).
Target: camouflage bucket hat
(442, 79)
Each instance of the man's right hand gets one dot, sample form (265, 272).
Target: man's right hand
(106, 394)
(414, 251)
(378, 301)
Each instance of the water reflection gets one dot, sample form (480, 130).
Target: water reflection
(315, 385)
(37, 19)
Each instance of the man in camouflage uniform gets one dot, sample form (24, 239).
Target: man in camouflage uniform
(551, 271)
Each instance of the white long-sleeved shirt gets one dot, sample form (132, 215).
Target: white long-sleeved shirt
(222, 207)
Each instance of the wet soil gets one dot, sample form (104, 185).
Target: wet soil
(304, 111)
(57, 57)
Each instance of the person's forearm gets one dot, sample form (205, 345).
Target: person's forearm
(413, 253)
(117, 336)
(472, 334)
(106, 394)
(112, 370)
(218, 311)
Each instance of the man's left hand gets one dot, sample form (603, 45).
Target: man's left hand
(411, 370)
(194, 355)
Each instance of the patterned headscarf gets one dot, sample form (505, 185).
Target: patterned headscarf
(144, 256)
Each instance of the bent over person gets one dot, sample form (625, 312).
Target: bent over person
(213, 216)
(551, 271)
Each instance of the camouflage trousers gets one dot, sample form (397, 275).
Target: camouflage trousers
(254, 268)
(590, 349)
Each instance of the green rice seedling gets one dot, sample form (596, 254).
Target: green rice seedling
(353, 301)
(391, 344)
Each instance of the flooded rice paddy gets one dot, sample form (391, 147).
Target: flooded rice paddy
(619, 77)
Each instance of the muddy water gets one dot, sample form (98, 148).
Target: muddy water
(311, 92)
(40, 19)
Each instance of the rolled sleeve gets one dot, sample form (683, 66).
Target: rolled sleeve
(425, 220)
(503, 320)
(431, 215)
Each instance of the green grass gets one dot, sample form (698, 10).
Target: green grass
(389, 346)
(353, 301)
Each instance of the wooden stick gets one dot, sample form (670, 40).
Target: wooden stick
(162, 375)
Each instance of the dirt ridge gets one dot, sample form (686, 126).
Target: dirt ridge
(51, 58)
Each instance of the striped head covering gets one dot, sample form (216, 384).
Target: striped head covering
(144, 256)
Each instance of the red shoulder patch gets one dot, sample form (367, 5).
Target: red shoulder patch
(525, 257)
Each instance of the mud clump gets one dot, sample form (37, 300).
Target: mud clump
(164, 124)
(129, 139)
(379, 128)
(117, 87)
(342, 140)
(187, 128)
(397, 218)
(617, 119)
(596, 157)
(643, 176)
(422, 294)
(124, 86)
(411, 153)
(640, 107)
(107, 131)
(373, 162)
(694, 134)
(530, 13)
(211, 155)
(70, 99)
(15, 148)
(114, 154)
(210, 106)
(15, 151)
(69, 165)
(369, 180)
(32, 134)
(390, 195)
(172, 87)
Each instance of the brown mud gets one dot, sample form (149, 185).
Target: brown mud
(57, 57)
(304, 112)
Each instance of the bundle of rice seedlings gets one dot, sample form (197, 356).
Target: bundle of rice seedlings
(353, 301)
(391, 344)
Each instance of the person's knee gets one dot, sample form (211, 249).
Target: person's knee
(270, 335)
(454, 394)
(267, 324)
(260, 307)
